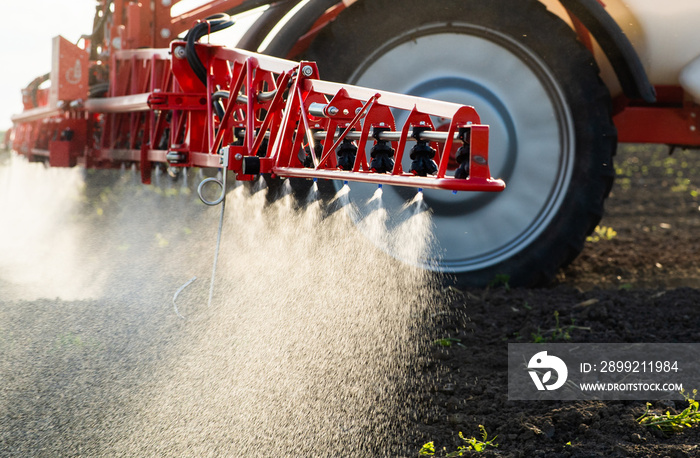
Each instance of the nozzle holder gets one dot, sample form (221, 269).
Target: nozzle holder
(381, 153)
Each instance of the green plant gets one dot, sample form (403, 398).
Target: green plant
(673, 423)
(448, 342)
(500, 280)
(472, 444)
(601, 233)
(73, 341)
(558, 333)
(427, 449)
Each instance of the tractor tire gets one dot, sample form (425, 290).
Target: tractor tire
(551, 132)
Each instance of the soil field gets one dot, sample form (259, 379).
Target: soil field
(636, 284)
(73, 368)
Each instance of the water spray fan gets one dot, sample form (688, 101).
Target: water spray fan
(204, 105)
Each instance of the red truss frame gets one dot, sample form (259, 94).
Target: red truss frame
(158, 111)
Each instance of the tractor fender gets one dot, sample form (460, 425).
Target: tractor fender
(591, 13)
(616, 46)
(302, 21)
(261, 28)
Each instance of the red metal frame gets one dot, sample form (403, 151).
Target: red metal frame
(673, 119)
(158, 111)
(151, 24)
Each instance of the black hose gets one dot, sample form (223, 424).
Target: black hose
(211, 24)
(33, 88)
(98, 90)
(98, 33)
(249, 5)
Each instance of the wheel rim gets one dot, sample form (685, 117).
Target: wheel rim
(531, 139)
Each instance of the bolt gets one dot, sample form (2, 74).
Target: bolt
(357, 112)
(180, 52)
(332, 111)
(480, 160)
(117, 43)
(693, 128)
(166, 2)
(307, 71)
(238, 157)
(165, 33)
(346, 112)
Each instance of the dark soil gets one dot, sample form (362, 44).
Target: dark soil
(639, 285)
(639, 282)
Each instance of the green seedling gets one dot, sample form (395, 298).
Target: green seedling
(500, 280)
(673, 423)
(448, 342)
(558, 333)
(602, 233)
(472, 444)
(428, 449)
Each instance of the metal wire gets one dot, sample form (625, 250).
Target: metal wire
(219, 200)
(218, 244)
(177, 293)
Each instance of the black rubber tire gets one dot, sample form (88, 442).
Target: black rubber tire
(367, 27)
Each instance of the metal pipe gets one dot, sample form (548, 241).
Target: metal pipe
(393, 136)
(120, 104)
(388, 135)
(318, 110)
(262, 97)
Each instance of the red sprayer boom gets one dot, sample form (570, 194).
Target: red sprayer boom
(203, 105)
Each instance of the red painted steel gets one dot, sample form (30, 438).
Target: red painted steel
(157, 110)
(673, 119)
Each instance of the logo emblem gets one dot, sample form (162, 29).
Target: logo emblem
(75, 73)
(542, 360)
